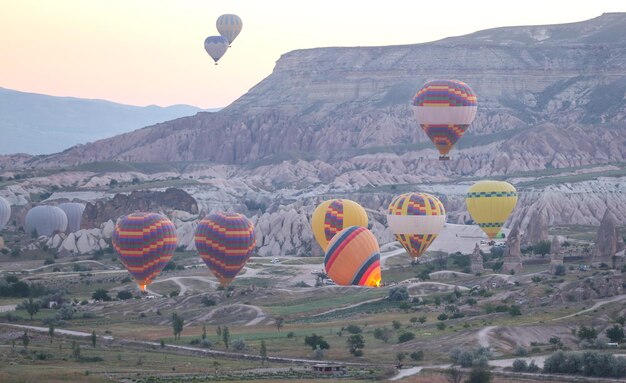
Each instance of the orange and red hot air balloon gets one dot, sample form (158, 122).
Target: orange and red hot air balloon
(445, 109)
(353, 258)
(145, 243)
(225, 242)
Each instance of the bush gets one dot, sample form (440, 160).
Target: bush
(521, 351)
(101, 295)
(290, 334)
(442, 317)
(383, 334)
(515, 311)
(88, 315)
(205, 343)
(396, 324)
(405, 337)
(124, 295)
(479, 375)
(560, 270)
(417, 355)
(520, 365)
(239, 344)
(354, 329)
(174, 293)
(441, 326)
(194, 342)
(398, 294)
(208, 301)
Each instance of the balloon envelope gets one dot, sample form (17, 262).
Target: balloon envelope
(74, 213)
(225, 242)
(145, 243)
(332, 216)
(5, 212)
(45, 220)
(416, 219)
(444, 109)
(353, 258)
(215, 46)
(229, 26)
(490, 203)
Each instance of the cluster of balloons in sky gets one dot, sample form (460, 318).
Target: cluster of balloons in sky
(352, 254)
(228, 26)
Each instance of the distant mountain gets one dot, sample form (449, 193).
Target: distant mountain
(41, 124)
(542, 92)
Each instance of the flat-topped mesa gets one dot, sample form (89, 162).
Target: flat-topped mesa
(538, 89)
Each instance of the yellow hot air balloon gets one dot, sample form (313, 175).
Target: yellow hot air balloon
(334, 215)
(416, 219)
(490, 203)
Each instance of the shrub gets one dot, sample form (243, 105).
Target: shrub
(521, 351)
(354, 329)
(383, 334)
(208, 301)
(239, 344)
(405, 337)
(398, 294)
(290, 334)
(442, 316)
(124, 295)
(417, 355)
(519, 365)
(396, 324)
(441, 326)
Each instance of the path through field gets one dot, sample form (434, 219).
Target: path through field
(595, 306)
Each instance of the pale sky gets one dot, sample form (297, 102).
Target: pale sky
(143, 52)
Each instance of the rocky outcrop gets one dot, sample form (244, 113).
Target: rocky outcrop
(138, 201)
(556, 258)
(539, 99)
(476, 261)
(513, 252)
(537, 229)
(609, 240)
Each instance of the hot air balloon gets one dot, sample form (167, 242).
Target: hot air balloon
(5, 212)
(490, 203)
(225, 242)
(145, 243)
(416, 219)
(45, 220)
(444, 109)
(353, 258)
(332, 216)
(215, 46)
(74, 213)
(229, 26)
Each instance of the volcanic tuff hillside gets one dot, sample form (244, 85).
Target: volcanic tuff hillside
(543, 90)
(337, 122)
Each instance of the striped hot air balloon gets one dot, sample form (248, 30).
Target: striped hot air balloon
(332, 216)
(229, 26)
(45, 220)
(353, 258)
(215, 46)
(74, 213)
(5, 212)
(225, 242)
(416, 219)
(145, 243)
(490, 203)
(445, 109)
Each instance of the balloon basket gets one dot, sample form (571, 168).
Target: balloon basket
(444, 158)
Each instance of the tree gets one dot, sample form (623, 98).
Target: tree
(177, 325)
(226, 336)
(51, 331)
(615, 334)
(587, 333)
(316, 341)
(93, 338)
(32, 307)
(279, 322)
(515, 310)
(417, 355)
(25, 339)
(422, 320)
(101, 295)
(263, 352)
(396, 324)
(356, 344)
(218, 331)
(405, 337)
(75, 351)
(124, 295)
(400, 357)
(454, 375)
(383, 334)
(354, 329)
(398, 294)
(203, 331)
(479, 375)
(621, 320)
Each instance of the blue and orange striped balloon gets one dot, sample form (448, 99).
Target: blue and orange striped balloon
(145, 243)
(353, 258)
(225, 242)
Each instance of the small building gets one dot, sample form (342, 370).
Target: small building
(330, 369)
